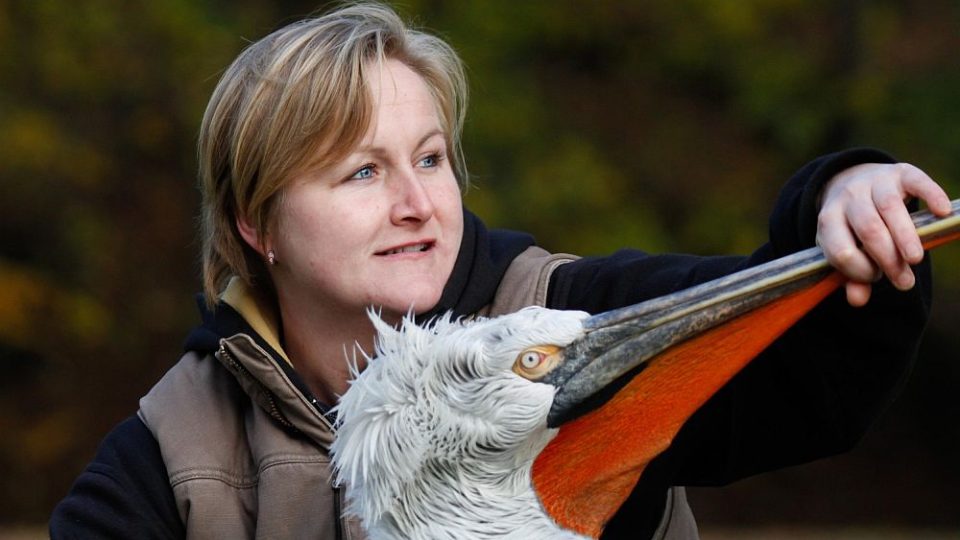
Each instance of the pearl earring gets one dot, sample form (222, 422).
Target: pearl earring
(271, 257)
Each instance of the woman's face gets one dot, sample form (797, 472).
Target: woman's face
(383, 226)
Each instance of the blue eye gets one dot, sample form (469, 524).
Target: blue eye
(430, 161)
(364, 173)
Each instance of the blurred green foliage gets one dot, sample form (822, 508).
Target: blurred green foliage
(666, 125)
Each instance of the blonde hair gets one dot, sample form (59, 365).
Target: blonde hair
(295, 98)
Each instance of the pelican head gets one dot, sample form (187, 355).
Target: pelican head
(437, 436)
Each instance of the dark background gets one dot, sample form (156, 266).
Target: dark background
(665, 125)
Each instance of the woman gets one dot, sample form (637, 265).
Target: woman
(331, 172)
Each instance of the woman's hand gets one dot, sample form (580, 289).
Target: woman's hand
(865, 229)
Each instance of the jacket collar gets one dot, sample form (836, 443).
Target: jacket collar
(257, 311)
(242, 333)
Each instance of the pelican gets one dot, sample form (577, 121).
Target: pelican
(462, 429)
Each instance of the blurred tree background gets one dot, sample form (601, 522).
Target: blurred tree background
(666, 125)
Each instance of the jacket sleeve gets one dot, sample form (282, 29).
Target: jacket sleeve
(123, 493)
(812, 393)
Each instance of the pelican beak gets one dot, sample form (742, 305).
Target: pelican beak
(618, 344)
(647, 368)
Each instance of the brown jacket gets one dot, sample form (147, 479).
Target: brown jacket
(247, 453)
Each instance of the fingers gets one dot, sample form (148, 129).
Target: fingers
(865, 229)
(858, 294)
(839, 246)
(916, 183)
(888, 202)
(877, 241)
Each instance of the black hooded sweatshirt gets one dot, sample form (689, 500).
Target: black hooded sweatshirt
(813, 393)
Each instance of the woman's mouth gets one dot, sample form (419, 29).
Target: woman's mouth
(412, 248)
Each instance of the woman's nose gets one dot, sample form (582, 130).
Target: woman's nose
(413, 202)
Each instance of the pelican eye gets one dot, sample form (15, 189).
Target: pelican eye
(531, 359)
(535, 362)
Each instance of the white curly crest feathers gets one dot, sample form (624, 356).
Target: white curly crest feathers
(437, 436)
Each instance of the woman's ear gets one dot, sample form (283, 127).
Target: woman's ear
(249, 234)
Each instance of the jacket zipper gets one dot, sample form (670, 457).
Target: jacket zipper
(338, 518)
(274, 410)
